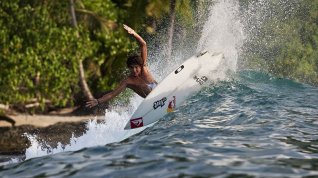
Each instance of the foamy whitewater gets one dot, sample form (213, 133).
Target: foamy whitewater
(109, 131)
(223, 32)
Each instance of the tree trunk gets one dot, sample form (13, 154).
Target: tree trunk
(74, 21)
(85, 89)
(171, 28)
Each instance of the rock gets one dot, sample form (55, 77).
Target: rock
(14, 140)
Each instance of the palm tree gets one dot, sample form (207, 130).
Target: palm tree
(86, 91)
(159, 8)
(92, 21)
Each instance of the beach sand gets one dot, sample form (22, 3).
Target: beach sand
(44, 120)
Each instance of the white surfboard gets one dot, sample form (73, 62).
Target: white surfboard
(173, 90)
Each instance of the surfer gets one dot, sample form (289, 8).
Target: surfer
(140, 79)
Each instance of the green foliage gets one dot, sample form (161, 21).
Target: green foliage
(40, 50)
(38, 59)
(103, 21)
(299, 56)
(287, 41)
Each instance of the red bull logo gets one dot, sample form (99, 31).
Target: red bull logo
(172, 105)
(135, 123)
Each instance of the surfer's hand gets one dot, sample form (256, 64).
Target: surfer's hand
(129, 30)
(91, 103)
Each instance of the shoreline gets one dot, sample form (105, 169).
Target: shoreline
(49, 129)
(44, 120)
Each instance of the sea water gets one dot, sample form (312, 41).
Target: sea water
(246, 124)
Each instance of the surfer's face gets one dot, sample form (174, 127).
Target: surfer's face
(135, 70)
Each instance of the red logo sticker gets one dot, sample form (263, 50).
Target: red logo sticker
(172, 105)
(135, 123)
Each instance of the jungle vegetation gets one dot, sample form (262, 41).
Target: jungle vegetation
(60, 53)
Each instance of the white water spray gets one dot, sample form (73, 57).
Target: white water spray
(109, 131)
(222, 33)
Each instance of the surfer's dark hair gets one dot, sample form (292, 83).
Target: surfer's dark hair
(134, 60)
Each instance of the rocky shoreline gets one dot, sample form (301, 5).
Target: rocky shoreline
(51, 130)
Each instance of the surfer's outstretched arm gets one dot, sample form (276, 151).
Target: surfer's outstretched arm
(142, 43)
(122, 86)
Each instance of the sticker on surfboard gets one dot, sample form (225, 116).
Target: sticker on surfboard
(172, 105)
(179, 69)
(159, 103)
(135, 123)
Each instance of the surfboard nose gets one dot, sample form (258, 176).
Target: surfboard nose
(127, 127)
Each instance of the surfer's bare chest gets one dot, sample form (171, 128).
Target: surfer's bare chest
(139, 86)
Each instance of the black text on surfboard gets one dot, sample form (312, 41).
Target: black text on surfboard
(200, 80)
(159, 103)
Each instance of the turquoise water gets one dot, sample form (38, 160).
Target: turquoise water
(254, 125)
